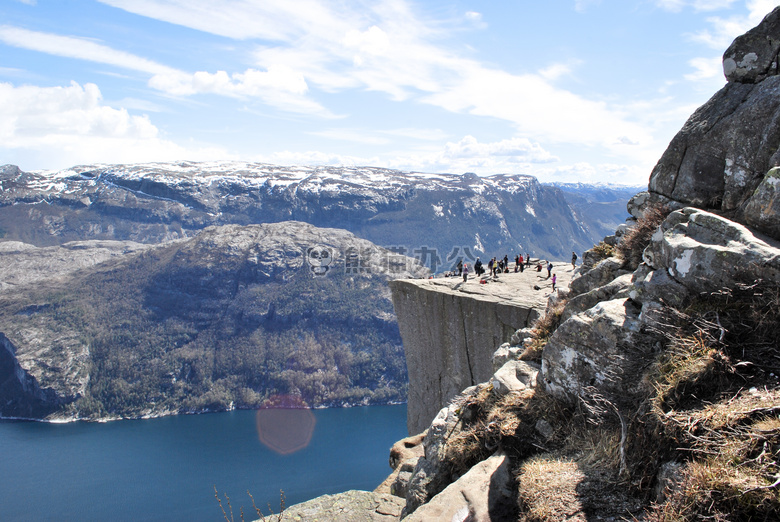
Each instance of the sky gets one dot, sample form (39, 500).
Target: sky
(564, 90)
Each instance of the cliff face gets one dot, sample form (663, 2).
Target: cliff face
(450, 331)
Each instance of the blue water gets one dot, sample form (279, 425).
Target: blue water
(166, 469)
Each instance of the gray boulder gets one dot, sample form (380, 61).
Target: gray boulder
(724, 151)
(350, 506)
(590, 349)
(763, 209)
(600, 274)
(486, 492)
(400, 486)
(403, 458)
(753, 56)
(655, 286)
(618, 287)
(505, 353)
(521, 335)
(514, 376)
(429, 475)
(705, 252)
(636, 205)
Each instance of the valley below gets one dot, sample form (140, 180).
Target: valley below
(131, 291)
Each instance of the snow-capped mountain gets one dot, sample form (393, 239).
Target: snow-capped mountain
(435, 217)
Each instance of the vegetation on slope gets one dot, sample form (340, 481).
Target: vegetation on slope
(171, 331)
(701, 441)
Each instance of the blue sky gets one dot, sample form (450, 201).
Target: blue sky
(566, 90)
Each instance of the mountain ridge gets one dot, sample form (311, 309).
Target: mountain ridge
(431, 213)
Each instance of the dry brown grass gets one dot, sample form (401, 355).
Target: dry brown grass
(547, 487)
(543, 328)
(634, 242)
(508, 423)
(595, 447)
(603, 250)
(717, 400)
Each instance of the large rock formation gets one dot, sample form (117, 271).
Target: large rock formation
(451, 329)
(723, 157)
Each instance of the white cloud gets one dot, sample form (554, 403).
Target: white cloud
(706, 69)
(79, 48)
(517, 156)
(518, 148)
(385, 48)
(719, 36)
(724, 30)
(554, 71)
(373, 41)
(588, 173)
(582, 5)
(474, 19)
(352, 135)
(69, 125)
(418, 134)
(697, 5)
(287, 157)
(278, 86)
(280, 20)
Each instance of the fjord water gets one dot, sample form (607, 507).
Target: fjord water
(166, 468)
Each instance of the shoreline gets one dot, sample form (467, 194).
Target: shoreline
(102, 420)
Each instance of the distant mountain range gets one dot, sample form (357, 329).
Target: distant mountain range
(152, 289)
(436, 218)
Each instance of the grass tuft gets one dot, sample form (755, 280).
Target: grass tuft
(634, 242)
(603, 250)
(542, 329)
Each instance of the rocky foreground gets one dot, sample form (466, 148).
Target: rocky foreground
(650, 388)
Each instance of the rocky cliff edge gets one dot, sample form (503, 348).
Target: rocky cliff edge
(650, 390)
(451, 328)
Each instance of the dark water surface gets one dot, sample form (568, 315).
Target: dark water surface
(166, 469)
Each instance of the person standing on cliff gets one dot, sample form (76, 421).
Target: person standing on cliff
(554, 279)
(465, 272)
(549, 269)
(573, 259)
(460, 267)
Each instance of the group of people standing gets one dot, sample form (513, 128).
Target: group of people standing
(501, 266)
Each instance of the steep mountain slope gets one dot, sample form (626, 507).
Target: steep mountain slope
(225, 319)
(434, 217)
